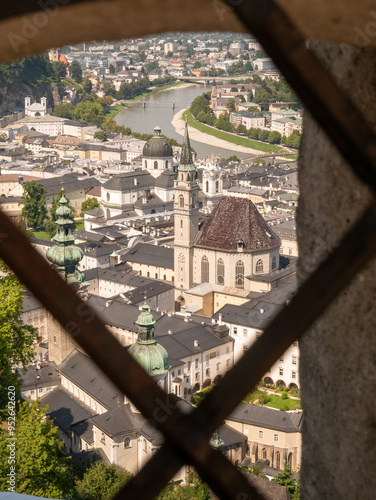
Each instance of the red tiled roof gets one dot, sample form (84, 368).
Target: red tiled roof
(15, 177)
(233, 219)
(94, 191)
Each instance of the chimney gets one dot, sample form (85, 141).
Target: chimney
(195, 343)
(169, 332)
(220, 319)
(262, 311)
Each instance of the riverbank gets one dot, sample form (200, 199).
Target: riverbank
(217, 138)
(120, 105)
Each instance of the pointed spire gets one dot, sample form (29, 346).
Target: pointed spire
(186, 154)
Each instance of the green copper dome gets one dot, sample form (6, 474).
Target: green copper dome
(65, 255)
(146, 351)
(145, 318)
(152, 357)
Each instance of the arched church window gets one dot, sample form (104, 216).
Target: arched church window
(127, 442)
(259, 266)
(146, 164)
(166, 163)
(289, 460)
(220, 272)
(277, 460)
(263, 453)
(204, 270)
(193, 202)
(207, 186)
(274, 263)
(181, 201)
(216, 186)
(181, 222)
(108, 196)
(155, 164)
(239, 274)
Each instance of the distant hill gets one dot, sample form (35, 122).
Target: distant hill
(31, 76)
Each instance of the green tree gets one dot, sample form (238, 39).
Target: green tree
(286, 479)
(87, 86)
(194, 489)
(169, 54)
(59, 70)
(283, 139)
(16, 338)
(254, 470)
(34, 204)
(65, 110)
(152, 66)
(90, 112)
(293, 140)
(76, 71)
(101, 135)
(39, 468)
(231, 104)
(241, 129)
(89, 204)
(109, 89)
(101, 482)
(274, 137)
(229, 55)
(200, 103)
(112, 69)
(264, 135)
(197, 64)
(233, 158)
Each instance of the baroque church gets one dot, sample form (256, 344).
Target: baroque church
(234, 248)
(149, 189)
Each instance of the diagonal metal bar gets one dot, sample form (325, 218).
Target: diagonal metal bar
(162, 467)
(313, 297)
(322, 97)
(358, 147)
(191, 442)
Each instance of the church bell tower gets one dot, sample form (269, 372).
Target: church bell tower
(186, 216)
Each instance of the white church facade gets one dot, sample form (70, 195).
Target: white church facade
(234, 248)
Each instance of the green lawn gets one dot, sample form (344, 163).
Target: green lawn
(114, 110)
(278, 402)
(41, 234)
(80, 224)
(44, 236)
(235, 139)
(70, 81)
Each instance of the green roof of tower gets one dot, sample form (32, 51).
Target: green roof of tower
(186, 161)
(146, 351)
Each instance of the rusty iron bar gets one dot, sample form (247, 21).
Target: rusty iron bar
(163, 466)
(17, 8)
(356, 143)
(190, 441)
(311, 300)
(339, 118)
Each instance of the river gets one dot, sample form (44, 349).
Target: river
(158, 108)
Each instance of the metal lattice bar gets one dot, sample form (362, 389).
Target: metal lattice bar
(187, 436)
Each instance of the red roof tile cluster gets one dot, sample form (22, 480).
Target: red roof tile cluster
(235, 219)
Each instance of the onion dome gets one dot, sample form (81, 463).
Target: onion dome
(216, 440)
(65, 255)
(157, 146)
(146, 351)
